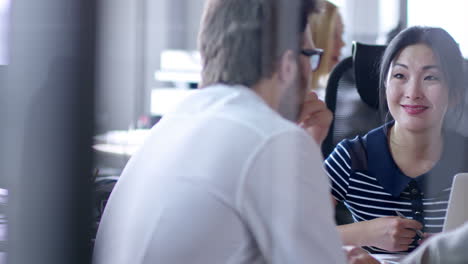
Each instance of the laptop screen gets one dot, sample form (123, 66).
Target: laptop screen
(457, 211)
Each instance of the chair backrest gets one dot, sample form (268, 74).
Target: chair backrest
(103, 186)
(352, 95)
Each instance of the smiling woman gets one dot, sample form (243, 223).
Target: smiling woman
(417, 93)
(438, 57)
(407, 165)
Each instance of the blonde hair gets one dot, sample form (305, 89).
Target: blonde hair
(322, 28)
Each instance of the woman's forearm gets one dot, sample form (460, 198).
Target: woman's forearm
(356, 234)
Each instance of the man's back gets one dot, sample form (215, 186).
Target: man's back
(224, 179)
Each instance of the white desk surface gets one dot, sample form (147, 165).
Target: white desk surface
(389, 258)
(120, 142)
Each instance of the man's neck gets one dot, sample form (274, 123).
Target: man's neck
(267, 89)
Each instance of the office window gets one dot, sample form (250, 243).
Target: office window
(448, 14)
(4, 25)
(172, 62)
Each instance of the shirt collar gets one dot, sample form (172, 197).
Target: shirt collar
(381, 164)
(393, 180)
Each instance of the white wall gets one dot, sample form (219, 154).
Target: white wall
(195, 8)
(132, 35)
(117, 64)
(368, 21)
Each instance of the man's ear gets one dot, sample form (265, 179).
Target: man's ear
(288, 68)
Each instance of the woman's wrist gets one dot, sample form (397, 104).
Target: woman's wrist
(355, 234)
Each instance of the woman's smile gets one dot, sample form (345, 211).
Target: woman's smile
(414, 109)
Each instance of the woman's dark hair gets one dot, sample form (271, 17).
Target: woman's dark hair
(446, 51)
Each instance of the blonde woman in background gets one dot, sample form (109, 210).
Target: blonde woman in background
(327, 32)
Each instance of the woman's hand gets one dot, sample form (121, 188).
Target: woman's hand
(315, 118)
(426, 237)
(392, 233)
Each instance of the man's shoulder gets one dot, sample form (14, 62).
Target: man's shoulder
(243, 107)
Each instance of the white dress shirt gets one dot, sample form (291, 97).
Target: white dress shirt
(222, 179)
(444, 248)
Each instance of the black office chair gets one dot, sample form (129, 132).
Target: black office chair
(103, 186)
(352, 95)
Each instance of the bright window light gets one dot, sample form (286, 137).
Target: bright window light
(448, 14)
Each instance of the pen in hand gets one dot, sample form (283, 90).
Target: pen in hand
(418, 232)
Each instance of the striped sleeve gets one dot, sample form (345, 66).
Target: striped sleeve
(338, 169)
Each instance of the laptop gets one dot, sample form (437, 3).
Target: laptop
(457, 211)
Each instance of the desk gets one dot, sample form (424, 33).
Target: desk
(114, 148)
(122, 150)
(120, 142)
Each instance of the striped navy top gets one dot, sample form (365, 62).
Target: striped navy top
(364, 175)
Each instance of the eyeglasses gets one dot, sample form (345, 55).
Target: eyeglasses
(314, 55)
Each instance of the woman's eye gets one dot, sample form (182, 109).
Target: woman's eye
(431, 78)
(398, 76)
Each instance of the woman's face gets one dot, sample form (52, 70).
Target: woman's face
(417, 94)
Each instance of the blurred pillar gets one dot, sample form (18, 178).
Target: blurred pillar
(47, 120)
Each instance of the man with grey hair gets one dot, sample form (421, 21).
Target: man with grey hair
(229, 176)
